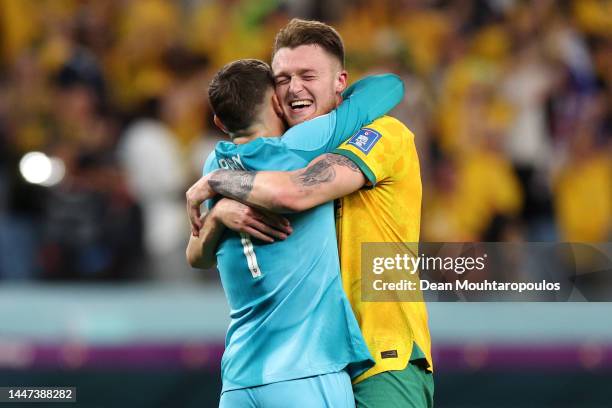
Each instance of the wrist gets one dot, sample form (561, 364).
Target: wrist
(214, 215)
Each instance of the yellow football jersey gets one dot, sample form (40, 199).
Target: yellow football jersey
(388, 210)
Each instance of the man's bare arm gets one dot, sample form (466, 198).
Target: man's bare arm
(326, 178)
(201, 250)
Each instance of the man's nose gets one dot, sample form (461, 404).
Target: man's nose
(295, 86)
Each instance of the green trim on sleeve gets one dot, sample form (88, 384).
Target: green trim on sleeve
(360, 163)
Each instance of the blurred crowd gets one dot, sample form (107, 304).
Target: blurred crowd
(510, 102)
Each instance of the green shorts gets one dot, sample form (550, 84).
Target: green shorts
(412, 387)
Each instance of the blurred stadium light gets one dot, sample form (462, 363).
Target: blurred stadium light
(38, 168)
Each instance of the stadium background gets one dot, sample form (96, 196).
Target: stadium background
(511, 104)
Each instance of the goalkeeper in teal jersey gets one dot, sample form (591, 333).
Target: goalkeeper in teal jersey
(293, 339)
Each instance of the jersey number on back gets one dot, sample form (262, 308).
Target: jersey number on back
(249, 252)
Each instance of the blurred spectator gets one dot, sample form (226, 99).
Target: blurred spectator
(92, 225)
(150, 156)
(583, 198)
(527, 85)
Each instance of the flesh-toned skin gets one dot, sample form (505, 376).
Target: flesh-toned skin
(309, 74)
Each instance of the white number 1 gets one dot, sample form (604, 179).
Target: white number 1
(249, 252)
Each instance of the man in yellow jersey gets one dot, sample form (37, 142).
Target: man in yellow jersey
(376, 172)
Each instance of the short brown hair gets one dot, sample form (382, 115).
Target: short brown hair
(237, 91)
(307, 32)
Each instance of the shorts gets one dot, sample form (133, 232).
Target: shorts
(412, 387)
(322, 391)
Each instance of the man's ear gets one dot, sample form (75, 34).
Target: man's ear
(341, 81)
(277, 106)
(220, 124)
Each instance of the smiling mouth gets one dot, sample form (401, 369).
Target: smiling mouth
(300, 104)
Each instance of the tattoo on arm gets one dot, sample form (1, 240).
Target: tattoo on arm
(234, 184)
(323, 170)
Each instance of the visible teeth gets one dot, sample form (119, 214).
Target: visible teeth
(300, 103)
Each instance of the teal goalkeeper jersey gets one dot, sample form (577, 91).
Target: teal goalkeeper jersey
(290, 318)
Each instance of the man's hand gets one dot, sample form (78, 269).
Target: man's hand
(195, 196)
(259, 224)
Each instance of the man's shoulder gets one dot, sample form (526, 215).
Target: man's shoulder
(388, 125)
(252, 148)
(210, 163)
(264, 153)
(389, 134)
